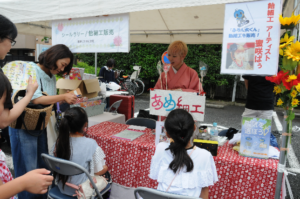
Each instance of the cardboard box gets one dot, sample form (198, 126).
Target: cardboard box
(89, 88)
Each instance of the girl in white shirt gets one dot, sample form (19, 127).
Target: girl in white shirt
(180, 167)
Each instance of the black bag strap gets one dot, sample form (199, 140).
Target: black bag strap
(20, 120)
(41, 85)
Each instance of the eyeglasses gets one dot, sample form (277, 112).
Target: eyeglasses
(13, 42)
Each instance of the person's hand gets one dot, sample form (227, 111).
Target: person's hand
(31, 88)
(70, 98)
(37, 181)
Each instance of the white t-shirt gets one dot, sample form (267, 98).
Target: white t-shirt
(190, 183)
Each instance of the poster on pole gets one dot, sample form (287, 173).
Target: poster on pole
(164, 101)
(255, 139)
(93, 34)
(251, 38)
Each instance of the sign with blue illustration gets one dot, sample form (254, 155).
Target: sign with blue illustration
(255, 138)
(251, 38)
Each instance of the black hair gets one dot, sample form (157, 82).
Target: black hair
(49, 58)
(180, 127)
(72, 122)
(230, 54)
(5, 87)
(111, 62)
(7, 29)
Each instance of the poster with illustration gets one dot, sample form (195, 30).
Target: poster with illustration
(18, 73)
(255, 139)
(160, 133)
(93, 34)
(251, 38)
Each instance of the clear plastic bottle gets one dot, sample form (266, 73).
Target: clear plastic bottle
(214, 132)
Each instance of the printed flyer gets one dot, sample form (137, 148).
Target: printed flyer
(255, 139)
(18, 73)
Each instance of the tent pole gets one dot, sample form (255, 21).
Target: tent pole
(234, 89)
(96, 64)
(282, 157)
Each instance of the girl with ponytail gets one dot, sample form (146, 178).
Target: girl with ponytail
(71, 144)
(180, 167)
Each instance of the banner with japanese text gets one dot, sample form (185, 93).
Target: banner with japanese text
(251, 38)
(164, 101)
(255, 138)
(93, 34)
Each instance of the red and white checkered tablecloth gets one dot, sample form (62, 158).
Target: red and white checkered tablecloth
(129, 164)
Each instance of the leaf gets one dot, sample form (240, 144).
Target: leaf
(291, 116)
(288, 64)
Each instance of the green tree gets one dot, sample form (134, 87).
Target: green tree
(147, 56)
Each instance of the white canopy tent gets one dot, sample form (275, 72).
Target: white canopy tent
(163, 21)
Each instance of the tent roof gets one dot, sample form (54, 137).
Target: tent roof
(163, 21)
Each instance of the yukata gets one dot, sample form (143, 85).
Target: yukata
(185, 78)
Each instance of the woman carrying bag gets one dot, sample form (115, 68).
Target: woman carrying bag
(28, 145)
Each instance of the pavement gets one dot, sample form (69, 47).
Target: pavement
(228, 114)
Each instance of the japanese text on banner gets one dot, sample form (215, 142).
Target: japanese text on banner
(162, 102)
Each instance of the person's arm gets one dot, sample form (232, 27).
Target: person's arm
(204, 193)
(194, 83)
(101, 74)
(70, 98)
(103, 171)
(8, 116)
(246, 83)
(36, 182)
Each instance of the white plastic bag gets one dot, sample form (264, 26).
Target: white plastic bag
(113, 86)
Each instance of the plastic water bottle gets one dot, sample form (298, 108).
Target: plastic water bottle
(214, 131)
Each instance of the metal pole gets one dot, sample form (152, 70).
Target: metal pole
(234, 88)
(96, 64)
(286, 128)
(282, 157)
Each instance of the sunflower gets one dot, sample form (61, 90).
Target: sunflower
(295, 102)
(293, 94)
(285, 41)
(298, 87)
(293, 51)
(291, 77)
(279, 102)
(277, 90)
(289, 22)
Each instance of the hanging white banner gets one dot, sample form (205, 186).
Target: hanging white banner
(251, 38)
(164, 101)
(93, 34)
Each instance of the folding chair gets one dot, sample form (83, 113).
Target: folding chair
(114, 107)
(147, 193)
(68, 168)
(149, 123)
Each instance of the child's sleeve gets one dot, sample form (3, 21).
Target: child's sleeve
(98, 161)
(207, 173)
(156, 160)
(214, 170)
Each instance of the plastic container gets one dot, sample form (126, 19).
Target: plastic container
(214, 131)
